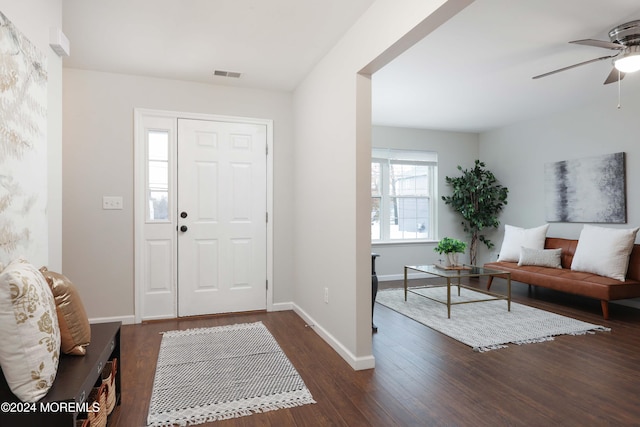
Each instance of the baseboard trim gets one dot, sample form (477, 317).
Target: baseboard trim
(357, 363)
(126, 320)
(410, 276)
(281, 306)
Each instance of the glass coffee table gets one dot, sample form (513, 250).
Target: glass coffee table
(453, 277)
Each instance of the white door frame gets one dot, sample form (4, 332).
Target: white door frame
(140, 199)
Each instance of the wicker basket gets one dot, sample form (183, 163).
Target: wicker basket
(98, 419)
(109, 381)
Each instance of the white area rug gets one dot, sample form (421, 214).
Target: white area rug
(212, 374)
(483, 325)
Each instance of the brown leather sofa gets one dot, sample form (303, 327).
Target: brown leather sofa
(576, 282)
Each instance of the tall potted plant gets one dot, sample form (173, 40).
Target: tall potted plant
(478, 198)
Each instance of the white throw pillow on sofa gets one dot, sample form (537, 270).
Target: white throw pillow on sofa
(604, 251)
(541, 257)
(29, 332)
(516, 238)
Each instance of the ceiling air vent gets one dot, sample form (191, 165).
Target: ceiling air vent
(231, 74)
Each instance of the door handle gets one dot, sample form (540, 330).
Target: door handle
(183, 228)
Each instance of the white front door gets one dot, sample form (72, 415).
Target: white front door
(202, 193)
(221, 217)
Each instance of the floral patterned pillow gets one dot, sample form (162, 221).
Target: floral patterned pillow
(29, 331)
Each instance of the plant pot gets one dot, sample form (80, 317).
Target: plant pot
(452, 259)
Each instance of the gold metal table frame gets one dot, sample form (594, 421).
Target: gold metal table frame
(456, 275)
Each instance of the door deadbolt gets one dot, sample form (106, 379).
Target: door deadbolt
(183, 215)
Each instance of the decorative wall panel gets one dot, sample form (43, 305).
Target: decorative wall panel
(23, 148)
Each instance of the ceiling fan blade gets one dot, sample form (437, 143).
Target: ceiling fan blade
(574, 66)
(613, 76)
(599, 43)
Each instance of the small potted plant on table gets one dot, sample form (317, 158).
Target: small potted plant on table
(451, 248)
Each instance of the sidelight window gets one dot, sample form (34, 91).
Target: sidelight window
(158, 175)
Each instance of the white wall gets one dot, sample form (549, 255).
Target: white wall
(98, 247)
(34, 18)
(517, 154)
(310, 251)
(453, 148)
(332, 180)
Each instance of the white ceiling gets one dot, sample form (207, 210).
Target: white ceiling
(472, 74)
(273, 43)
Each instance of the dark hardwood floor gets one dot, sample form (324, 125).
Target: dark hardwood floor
(424, 378)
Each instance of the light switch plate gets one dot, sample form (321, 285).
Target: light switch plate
(111, 202)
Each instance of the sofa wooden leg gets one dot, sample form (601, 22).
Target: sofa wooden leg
(489, 282)
(605, 309)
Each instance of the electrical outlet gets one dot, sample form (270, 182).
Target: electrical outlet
(326, 295)
(111, 202)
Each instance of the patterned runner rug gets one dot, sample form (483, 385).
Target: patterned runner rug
(483, 325)
(212, 374)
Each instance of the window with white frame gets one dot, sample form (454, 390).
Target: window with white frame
(403, 195)
(158, 175)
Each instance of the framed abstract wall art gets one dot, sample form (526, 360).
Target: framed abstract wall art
(590, 190)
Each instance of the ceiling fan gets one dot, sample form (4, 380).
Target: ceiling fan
(625, 39)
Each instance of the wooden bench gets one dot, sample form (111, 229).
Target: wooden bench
(76, 377)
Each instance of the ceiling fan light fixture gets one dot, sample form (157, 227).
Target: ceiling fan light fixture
(629, 62)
